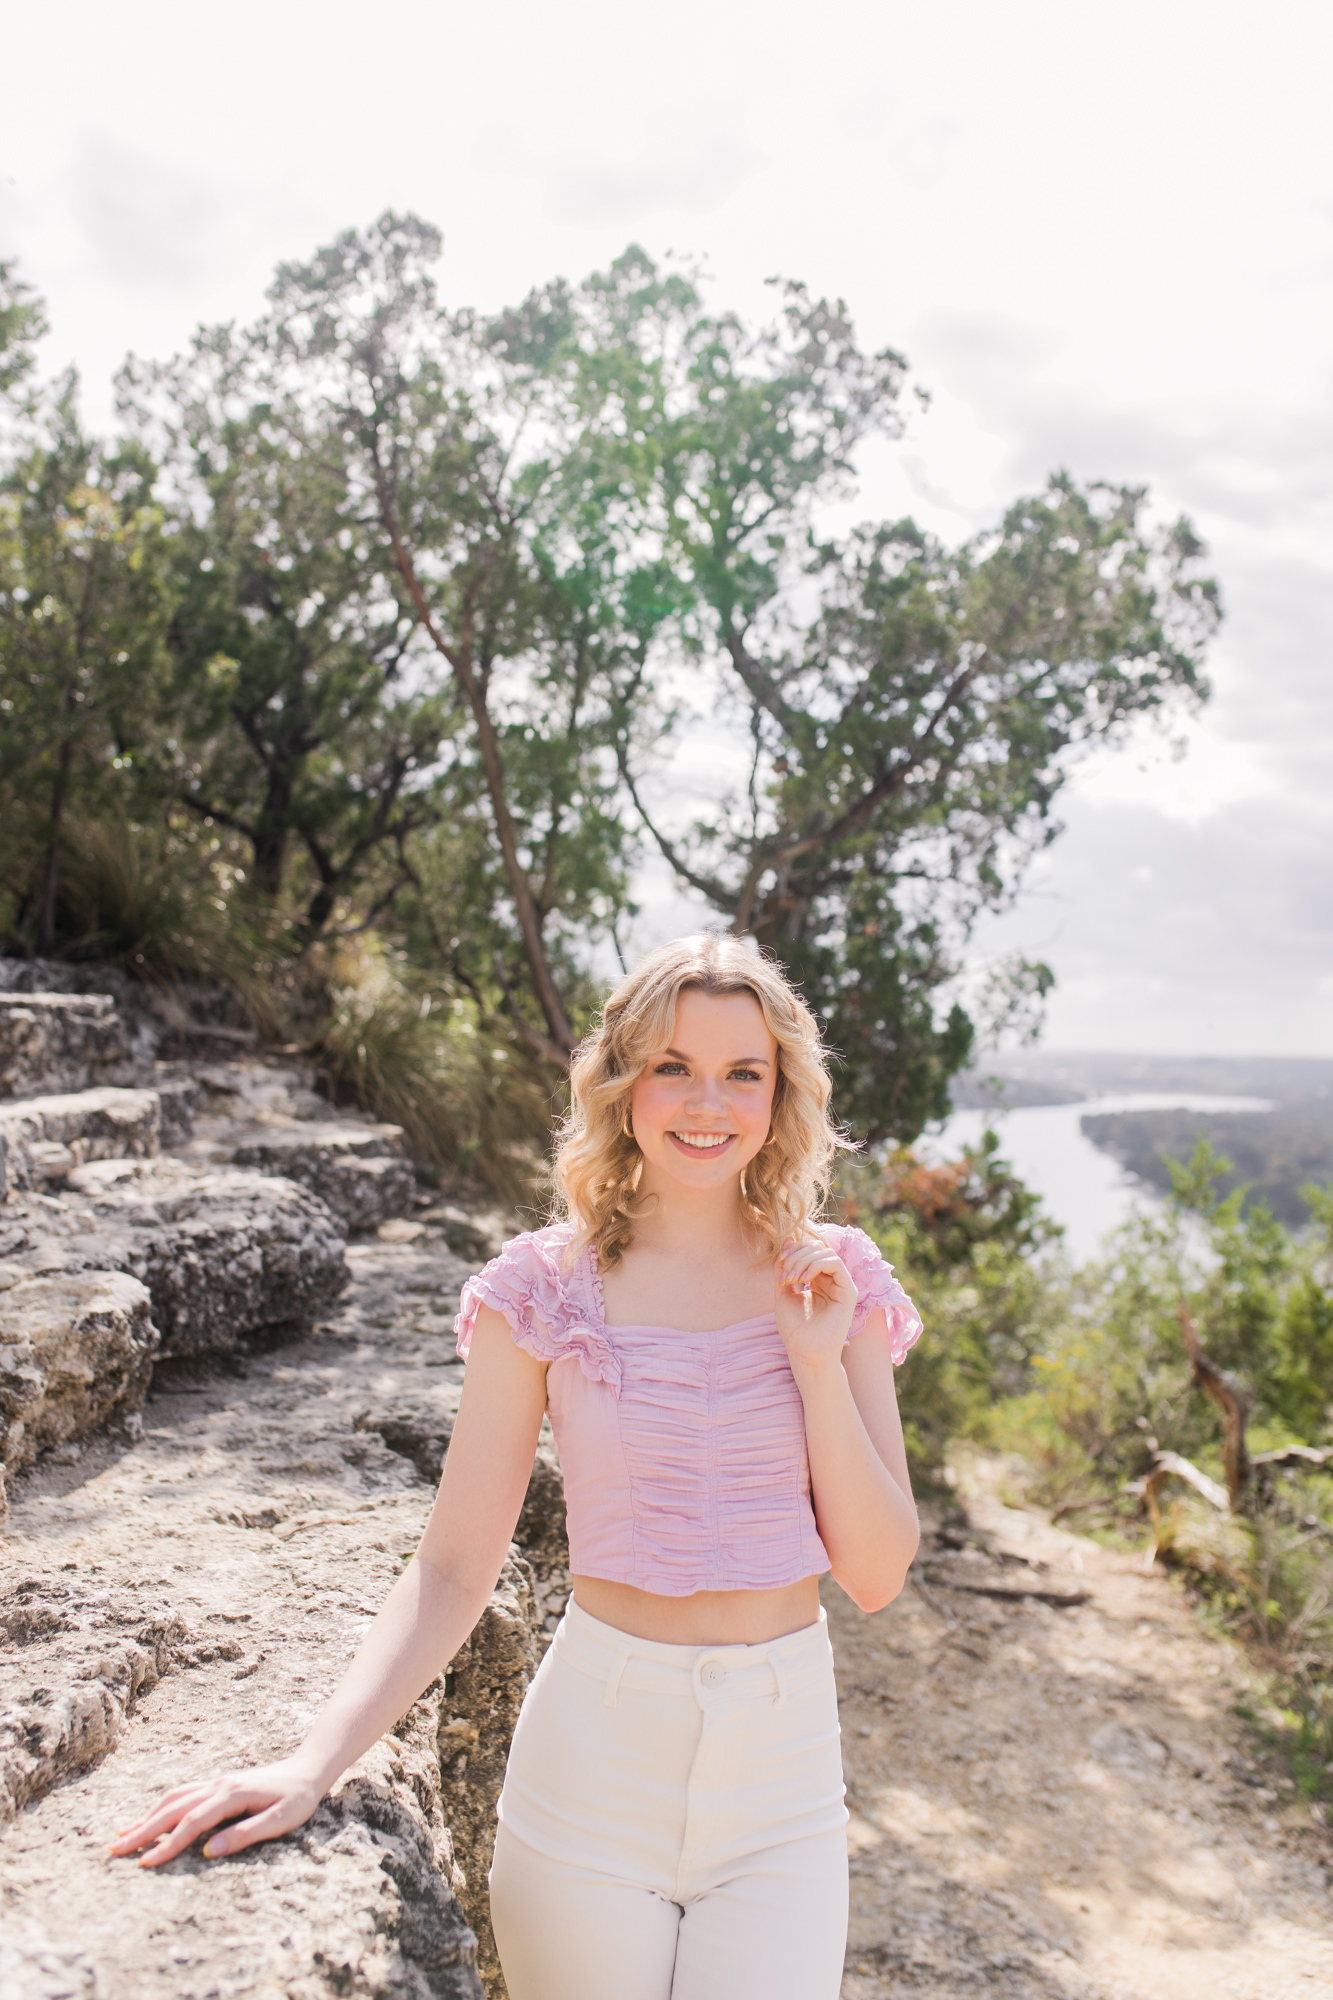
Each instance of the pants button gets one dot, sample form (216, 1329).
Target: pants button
(712, 1673)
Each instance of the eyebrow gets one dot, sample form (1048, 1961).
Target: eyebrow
(737, 1062)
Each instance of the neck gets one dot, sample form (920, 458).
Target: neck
(694, 1222)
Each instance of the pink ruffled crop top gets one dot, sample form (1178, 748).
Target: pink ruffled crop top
(684, 1454)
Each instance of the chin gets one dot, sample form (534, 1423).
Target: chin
(695, 1171)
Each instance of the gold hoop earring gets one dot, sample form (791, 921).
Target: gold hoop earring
(627, 1128)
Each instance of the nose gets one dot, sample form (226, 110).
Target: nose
(707, 1096)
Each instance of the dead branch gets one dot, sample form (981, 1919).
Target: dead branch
(1169, 1465)
(1318, 1457)
(1042, 1593)
(1233, 1401)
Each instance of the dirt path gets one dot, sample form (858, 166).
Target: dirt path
(1051, 1801)
(1056, 1798)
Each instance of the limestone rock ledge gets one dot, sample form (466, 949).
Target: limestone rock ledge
(484, 1689)
(364, 1900)
(224, 1254)
(361, 1171)
(34, 1967)
(73, 1663)
(58, 1041)
(44, 1137)
(76, 1353)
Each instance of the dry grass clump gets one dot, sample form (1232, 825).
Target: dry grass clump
(421, 1058)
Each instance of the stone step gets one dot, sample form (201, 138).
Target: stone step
(224, 1252)
(44, 1137)
(76, 1353)
(58, 1042)
(361, 1171)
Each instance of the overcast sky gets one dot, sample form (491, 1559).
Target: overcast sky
(1104, 237)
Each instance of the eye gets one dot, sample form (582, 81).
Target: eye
(747, 1076)
(669, 1069)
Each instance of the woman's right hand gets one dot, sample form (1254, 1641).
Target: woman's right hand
(263, 1803)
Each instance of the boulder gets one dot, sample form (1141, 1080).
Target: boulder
(76, 1352)
(224, 1253)
(483, 1692)
(359, 1170)
(360, 1901)
(58, 1042)
(46, 1136)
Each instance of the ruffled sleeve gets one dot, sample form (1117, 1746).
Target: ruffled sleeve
(529, 1284)
(876, 1286)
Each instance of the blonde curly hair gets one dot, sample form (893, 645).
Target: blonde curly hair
(597, 1162)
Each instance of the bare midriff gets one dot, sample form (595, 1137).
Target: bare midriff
(708, 1618)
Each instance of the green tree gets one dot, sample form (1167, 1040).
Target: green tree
(22, 326)
(447, 583)
(909, 733)
(84, 603)
(982, 1263)
(464, 473)
(302, 722)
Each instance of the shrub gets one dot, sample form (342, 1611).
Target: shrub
(424, 1059)
(982, 1263)
(152, 901)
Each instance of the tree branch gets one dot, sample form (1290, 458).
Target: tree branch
(459, 658)
(534, 1037)
(717, 893)
(1233, 1401)
(893, 780)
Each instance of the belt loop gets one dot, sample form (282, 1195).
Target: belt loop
(612, 1695)
(775, 1662)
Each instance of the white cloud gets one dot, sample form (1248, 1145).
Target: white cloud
(687, 173)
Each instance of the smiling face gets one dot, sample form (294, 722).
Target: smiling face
(701, 1108)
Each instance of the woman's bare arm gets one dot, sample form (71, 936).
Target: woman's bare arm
(425, 1619)
(858, 1471)
(858, 1467)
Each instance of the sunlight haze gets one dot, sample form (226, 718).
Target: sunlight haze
(1103, 238)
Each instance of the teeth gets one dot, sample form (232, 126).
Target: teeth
(704, 1142)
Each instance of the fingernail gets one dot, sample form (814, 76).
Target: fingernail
(212, 1849)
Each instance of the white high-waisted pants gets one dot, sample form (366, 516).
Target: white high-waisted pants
(672, 1822)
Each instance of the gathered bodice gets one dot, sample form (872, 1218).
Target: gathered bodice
(683, 1454)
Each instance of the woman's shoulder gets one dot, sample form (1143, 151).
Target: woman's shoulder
(859, 1252)
(533, 1266)
(545, 1249)
(876, 1286)
(548, 1296)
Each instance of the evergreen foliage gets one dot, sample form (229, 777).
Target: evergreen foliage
(382, 616)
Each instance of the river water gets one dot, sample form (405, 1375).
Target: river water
(1082, 1186)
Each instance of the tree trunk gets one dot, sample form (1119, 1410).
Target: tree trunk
(271, 836)
(525, 907)
(51, 873)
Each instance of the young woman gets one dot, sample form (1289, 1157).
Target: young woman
(719, 1372)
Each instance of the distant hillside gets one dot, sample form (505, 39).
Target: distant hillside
(1057, 1076)
(1275, 1152)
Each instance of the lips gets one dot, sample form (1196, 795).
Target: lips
(705, 1145)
